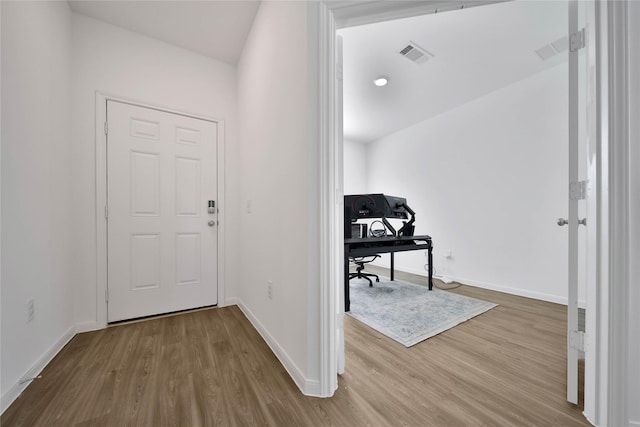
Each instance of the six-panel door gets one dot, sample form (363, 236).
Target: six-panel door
(161, 174)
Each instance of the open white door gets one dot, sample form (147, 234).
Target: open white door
(577, 193)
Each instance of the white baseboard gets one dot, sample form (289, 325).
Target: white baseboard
(15, 390)
(312, 388)
(306, 386)
(230, 301)
(515, 291)
(493, 287)
(589, 420)
(87, 327)
(510, 290)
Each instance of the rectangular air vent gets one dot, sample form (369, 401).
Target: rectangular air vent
(415, 53)
(561, 44)
(554, 48)
(546, 52)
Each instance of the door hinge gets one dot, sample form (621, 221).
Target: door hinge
(106, 128)
(578, 190)
(576, 41)
(106, 212)
(106, 295)
(576, 340)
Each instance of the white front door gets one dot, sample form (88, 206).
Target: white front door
(161, 237)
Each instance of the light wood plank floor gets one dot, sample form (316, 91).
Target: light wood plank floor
(505, 367)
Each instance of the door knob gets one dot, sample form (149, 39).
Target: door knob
(562, 221)
(582, 221)
(211, 223)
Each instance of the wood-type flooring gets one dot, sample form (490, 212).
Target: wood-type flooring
(505, 367)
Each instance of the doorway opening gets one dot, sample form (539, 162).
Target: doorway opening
(405, 153)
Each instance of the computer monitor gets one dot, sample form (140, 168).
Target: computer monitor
(361, 206)
(377, 206)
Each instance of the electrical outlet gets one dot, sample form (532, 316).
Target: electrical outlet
(31, 309)
(270, 289)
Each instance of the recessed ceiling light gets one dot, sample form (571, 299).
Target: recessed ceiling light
(381, 81)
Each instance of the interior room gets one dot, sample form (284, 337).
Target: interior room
(471, 128)
(206, 127)
(475, 138)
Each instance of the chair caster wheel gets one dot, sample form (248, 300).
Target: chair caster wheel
(377, 280)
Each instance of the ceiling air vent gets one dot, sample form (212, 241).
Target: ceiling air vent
(546, 52)
(554, 48)
(415, 53)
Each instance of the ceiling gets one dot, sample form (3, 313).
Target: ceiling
(217, 29)
(475, 51)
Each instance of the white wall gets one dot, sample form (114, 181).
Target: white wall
(355, 167)
(36, 194)
(488, 181)
(278, 134)
(114, 61)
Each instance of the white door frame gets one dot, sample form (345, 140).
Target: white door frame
(611, 248)
(619, 126)
(101, 198)
(337, 14)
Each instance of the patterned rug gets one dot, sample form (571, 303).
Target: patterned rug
(410, 313)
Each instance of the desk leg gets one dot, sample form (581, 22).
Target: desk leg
(347, 303)
(430, 256)
(392, 265)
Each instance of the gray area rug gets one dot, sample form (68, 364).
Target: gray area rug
(410, 313)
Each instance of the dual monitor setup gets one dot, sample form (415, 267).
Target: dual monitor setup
(360, 242)
(380, 207)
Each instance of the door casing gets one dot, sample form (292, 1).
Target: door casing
(101, 198)
(331, 16)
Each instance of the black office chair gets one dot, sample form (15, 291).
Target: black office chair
(360, 262)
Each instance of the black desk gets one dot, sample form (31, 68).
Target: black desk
(379, 245)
